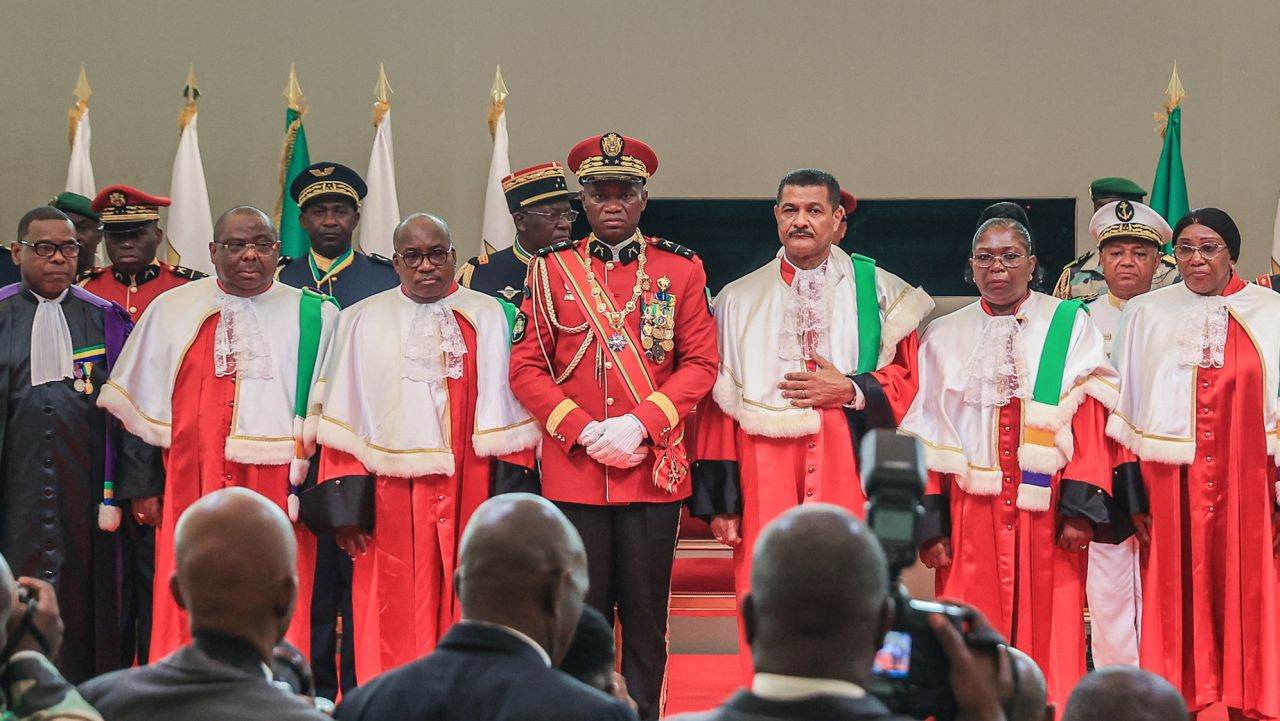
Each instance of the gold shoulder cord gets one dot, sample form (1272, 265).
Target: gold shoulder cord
(549, 308)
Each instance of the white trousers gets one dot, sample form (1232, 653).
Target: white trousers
(1114, 590)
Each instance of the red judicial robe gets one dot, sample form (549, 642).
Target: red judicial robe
(1006, 561)
(195, 466)
(761, 477)
(402, 587)
(1211, 602)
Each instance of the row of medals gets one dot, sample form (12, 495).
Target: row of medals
(657, 324)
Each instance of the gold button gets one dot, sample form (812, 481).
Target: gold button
(608, 365)
(1008, 428)
(1008, 502)
(1205, 384)
(608, 401)
(1208, 459)
(808, 493)
(1208, 434)
(1211, 509)
(812, 446)
(812, 469)
(608, 265)
(1211, 484)
(133, 309)
(442, 520)
(1005, 452)
(133, 289)
(440, 498)
(1009, 527)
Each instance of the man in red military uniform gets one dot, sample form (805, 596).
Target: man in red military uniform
(131, 229)
(130, 224)
(619, 347)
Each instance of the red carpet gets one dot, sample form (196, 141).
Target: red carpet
(700, 682)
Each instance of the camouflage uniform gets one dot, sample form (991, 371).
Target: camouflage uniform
(1082, 278)
(31, 689)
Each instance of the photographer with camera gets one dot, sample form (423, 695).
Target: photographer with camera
(817, 612)
(30, 634)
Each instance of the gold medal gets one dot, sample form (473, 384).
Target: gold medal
(646, 341)
(667, 345)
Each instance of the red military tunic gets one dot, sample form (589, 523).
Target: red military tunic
(135, 292)
(402, 588)
(596, 391)
(195, 465)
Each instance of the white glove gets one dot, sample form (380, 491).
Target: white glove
(619, 441)
(636, 458)
(590, 433)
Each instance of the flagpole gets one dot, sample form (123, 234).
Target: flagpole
(380, 212)
(189, 223)
(497, 231)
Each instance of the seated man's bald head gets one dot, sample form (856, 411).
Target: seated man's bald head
(522, 564)
(819, 594)
(428, 221)
(1021, 685)
(236, 566)
(1125, 693)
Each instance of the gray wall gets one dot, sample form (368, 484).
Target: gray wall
(899, 99)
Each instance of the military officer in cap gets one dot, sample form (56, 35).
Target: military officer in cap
(130, 226)
(130, 223)
(1083, 278)
(619, 346)
(1129, 235)
(538, 199)
(328, 197)
(88, 231)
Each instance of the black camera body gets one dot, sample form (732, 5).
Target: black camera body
(911, 674)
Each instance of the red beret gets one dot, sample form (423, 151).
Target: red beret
(612, 156)
(848, 202)
(124, 208)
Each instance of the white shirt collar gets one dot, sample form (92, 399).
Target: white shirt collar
(41, 299)
(542, 652)
(777, 687)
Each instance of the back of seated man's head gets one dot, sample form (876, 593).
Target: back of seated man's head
(521, 564)
(1021, 685)
(819, 602)
(236, 568)
(1125, 693)
(592, 656)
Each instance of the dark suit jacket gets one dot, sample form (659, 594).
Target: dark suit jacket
(479, 674)
(746, 706)
(210, 680)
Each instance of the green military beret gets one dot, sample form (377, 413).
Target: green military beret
(1119, 188)
(69, 202)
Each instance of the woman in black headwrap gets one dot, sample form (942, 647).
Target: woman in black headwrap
(1199, 366)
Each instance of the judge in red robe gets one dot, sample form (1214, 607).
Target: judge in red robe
(211, 375)
(1198, 407)
(415, 406)
(1011, 411)
(810, 359)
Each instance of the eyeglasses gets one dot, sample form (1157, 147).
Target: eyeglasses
(553, 218)
(45, 249)
(238, 248)
(1207, 251)
(436, 256)
(1008, 260)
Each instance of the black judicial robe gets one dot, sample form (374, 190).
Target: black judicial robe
(52, 467)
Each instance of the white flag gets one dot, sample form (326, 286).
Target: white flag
(80, 169)
(189, 225)
(380, 211)
(498, 231)
(1275, 244)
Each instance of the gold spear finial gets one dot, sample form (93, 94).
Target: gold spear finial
(191, 91)
(1173, 97)
(83, 91)
(293, 91)
(497, 107)
(381, 96)
(499, 92)
(382, 91)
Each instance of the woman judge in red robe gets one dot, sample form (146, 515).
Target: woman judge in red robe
(1198, 407)
(1014, 391)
